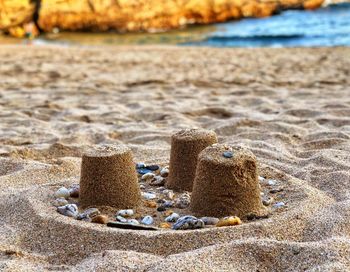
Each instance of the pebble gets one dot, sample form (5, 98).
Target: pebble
(142, 186)
(267, 201)
(74, 191)
(182, 203)
(188, 222)
(130, 226)
(210, 220)
(227, 154)
(62, 192)
(161, 209)
(143, 171)
(151, 204)
(70, 210)
(170, 194)
(164, 172)
(60, 202)
(261, 179)
(100, 219)
(140, 165)
(274, 191)
(148, 176)
(229, 221)
(149, 196)
(133, 221)
(279, 205)
(89, 213)
(168, 204)
(126, 213)
(147, 220)
(168, 212)
(153, 167)
(121, 219)
(165, 225)
(158, 181)
(172, 218)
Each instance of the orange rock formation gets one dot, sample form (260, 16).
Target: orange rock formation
(138, 15)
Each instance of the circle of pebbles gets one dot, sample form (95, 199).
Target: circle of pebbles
(161, 208)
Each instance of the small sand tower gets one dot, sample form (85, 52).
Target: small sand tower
(185, 148)
(108, 178)
(226, 183)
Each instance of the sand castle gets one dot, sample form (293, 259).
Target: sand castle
(109, 178)
(185, 148)
(223, 180)
(226, 183)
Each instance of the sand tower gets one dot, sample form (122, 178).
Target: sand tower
(185, 148)
(226, 183)
(108, 178)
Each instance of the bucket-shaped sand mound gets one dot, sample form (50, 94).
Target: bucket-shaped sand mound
(226, 183)
(185, 148)
(109, 178)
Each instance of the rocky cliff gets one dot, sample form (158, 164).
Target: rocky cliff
(137, 15)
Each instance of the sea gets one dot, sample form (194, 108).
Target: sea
(325, 27)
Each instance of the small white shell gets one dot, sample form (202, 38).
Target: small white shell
(70, 210)
(164, 172)
(147, 220)
(62, 192)
(148, 176)
(126, 213)
(149, 195)
(60, 202)
(172, 218)
(133, 221)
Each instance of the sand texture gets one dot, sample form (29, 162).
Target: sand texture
(289, 107)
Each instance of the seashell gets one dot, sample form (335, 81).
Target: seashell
(74, 191)
(126, 213)
(140, 165)
(89, 213)
(148, 176)
(121, 219)
(279, 205)
(62, 192)
(168, 204)
(70, 210)
(210, 220)
(142, 186)
(149, 196)
(267, 201)
(147, 220)
(100, 219)
(60, 202)
(172, 218)
(133, 221)
(170, 194)
(182, 203)
(158, 181)
(164, 172)
(229, 221)
(188, 222)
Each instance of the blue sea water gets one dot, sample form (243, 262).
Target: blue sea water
(329, 26)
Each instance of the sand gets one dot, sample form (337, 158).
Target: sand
(290, 107)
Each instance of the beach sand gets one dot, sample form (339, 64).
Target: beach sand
(290, 107)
